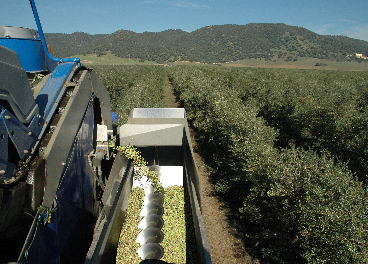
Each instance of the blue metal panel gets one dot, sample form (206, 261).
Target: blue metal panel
(53, 89)
(30, 52)
(49, 97)
(115, 118)
(67, 238)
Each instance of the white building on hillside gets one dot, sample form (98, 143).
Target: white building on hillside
(359, 55)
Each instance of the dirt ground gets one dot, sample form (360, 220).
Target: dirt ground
(224, 245)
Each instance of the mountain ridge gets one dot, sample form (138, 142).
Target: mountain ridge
(212, 44)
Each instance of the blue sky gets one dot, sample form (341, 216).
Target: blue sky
(327, 17)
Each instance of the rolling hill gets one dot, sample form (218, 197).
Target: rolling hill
(212, 44)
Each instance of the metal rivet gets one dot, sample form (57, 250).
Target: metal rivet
(29, 133)
(25, 151)
(2, 171)
(7, 117)
(63, 163)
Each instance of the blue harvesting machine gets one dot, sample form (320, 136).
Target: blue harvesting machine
(63, 195)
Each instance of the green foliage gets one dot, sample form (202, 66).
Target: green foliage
(226, 125)
(174, 228)
(127, 247)
(46, 211)
(140, 165)
(132, 87)
(294, 205)
(310, 204)
(318, 110)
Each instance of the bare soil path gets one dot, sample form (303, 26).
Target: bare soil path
(224, 245)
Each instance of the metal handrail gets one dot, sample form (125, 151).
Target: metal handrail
(40, 32)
